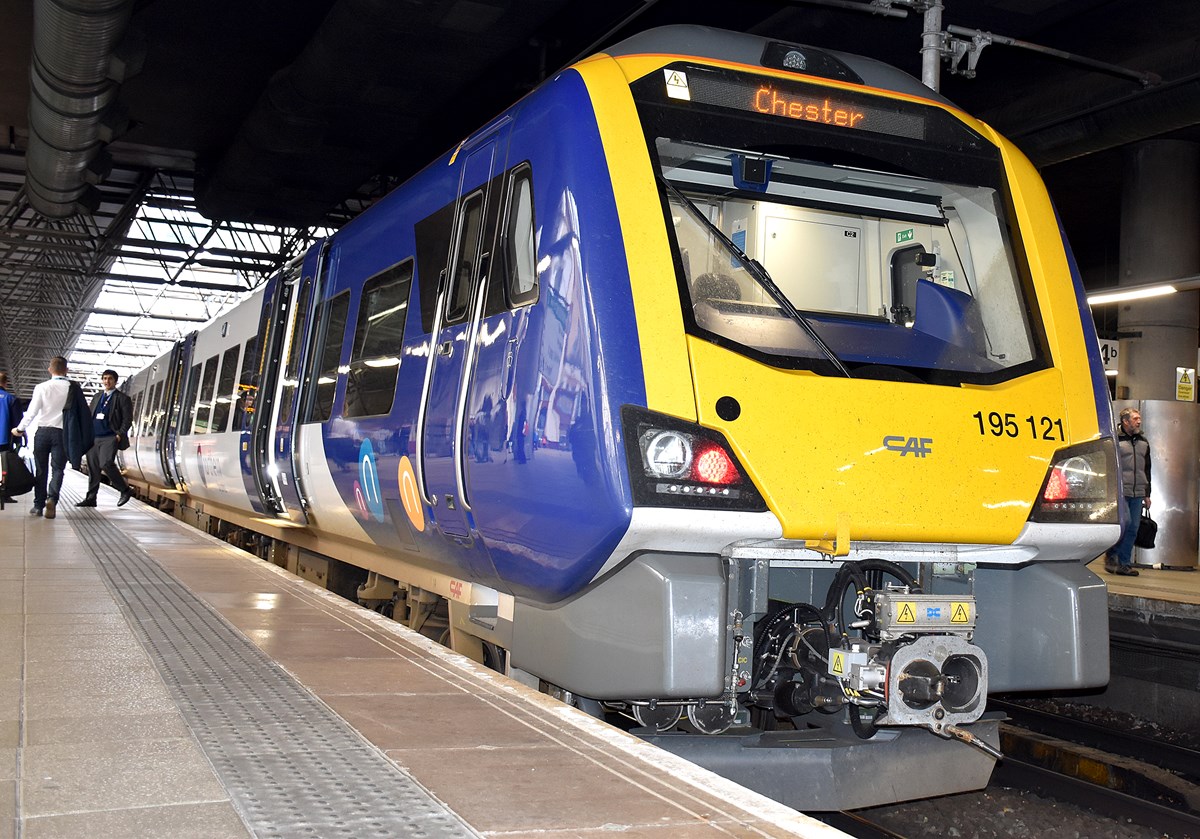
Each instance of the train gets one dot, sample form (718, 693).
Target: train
(740, 390)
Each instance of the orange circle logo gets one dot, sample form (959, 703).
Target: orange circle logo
(409, 495)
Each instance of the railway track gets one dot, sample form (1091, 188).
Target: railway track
(1181, 760)
(1080, 778)
(1114, 772)
(1111, 803)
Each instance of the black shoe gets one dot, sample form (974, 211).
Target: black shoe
(1126, 571)
(125, 496)
(36, 511)
(87, 502)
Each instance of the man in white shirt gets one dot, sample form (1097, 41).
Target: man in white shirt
(49, 447)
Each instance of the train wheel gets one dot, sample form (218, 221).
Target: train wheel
(662, 718)
(711, 717)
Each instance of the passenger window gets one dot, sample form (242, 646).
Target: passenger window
(188, 403)
(331, 331)
(150, 419)
(147, 409)
(137, 412)
(220, 417)
(465, 259)
(521, 244)
(378, 337)
(291, 369)
(204, 403)
(247, 389)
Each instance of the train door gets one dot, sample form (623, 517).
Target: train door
(175, 403)
(293, 387)
(500, 407)
(262, 466)
(440, 438)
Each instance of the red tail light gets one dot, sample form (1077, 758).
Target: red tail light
(713, 466)
(1057, 488)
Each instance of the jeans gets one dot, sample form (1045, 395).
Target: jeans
(49, 459)
(1123, 550)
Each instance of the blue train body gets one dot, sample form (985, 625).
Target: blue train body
(522, 532)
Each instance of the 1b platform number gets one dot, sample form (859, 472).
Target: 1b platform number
(1109, 350)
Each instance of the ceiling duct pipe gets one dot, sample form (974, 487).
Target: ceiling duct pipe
(71, 87)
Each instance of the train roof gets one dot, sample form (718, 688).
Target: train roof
(723, 45)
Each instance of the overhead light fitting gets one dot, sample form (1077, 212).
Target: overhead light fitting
(1130, 294)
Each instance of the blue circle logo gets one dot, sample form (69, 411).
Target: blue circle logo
(371, 497)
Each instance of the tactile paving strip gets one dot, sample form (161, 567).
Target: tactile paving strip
(292, 767)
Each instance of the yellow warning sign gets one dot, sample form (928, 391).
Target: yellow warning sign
(960, 613)
(677, 85)
(1185, 384)
(839, 663)
(906, 613)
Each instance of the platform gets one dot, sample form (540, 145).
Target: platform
(1151, 583)
(155, 681)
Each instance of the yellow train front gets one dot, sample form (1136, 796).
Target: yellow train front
(877, 449)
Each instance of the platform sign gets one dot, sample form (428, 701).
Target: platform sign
(1185, 384)
(1109, 350)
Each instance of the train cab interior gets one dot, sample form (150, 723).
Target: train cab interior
(888, 269)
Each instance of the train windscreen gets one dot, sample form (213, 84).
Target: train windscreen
(881, 227)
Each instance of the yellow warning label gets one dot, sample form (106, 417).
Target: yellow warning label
(839, 664)
(1185, 384)
(960, 613)
(677, 85)
(906, 613)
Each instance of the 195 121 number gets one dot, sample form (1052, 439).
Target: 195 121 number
(1007, 425)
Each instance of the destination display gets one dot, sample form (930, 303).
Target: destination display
(803, 103)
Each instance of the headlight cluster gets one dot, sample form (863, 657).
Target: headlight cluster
(1080, 486)
(675, 463)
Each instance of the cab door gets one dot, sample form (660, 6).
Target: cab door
(261, 465)
(440, 445)
(177, 400)
(294, 386)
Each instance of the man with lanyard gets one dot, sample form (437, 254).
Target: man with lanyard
(112, 414)
(49, 445)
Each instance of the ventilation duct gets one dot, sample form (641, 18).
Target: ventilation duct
(73, 41)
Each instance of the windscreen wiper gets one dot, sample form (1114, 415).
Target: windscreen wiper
(764, 278)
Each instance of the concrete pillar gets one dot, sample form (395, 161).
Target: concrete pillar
(1160, 240)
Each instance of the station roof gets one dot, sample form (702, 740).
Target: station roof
(220, 138)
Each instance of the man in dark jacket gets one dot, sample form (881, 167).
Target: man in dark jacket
(112, 414)
(77, 426)
(1134, 452)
